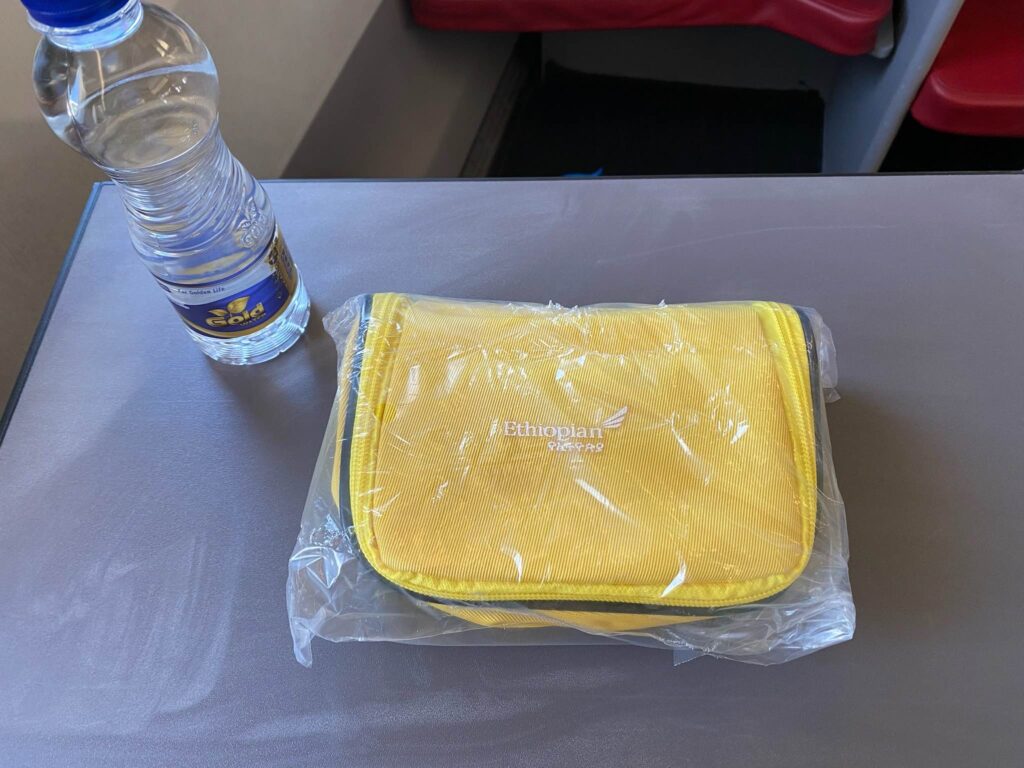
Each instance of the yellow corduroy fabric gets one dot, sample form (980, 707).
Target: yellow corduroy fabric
(507, 457)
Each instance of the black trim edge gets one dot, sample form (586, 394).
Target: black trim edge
(51, 305)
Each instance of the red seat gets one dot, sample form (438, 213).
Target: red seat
(842, 26)
(976, 85)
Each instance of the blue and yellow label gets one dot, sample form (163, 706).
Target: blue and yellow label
(244, 312)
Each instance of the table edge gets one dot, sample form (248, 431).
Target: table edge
(51, 303)
(637, 177)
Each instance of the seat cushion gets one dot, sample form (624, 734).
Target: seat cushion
(976, 85)
(843, 26)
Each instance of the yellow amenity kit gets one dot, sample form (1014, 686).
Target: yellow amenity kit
(655, 474)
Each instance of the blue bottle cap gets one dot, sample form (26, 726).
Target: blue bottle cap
(72, 13)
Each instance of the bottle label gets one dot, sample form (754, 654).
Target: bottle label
(237, 313)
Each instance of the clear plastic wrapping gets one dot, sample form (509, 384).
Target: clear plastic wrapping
(514, 473)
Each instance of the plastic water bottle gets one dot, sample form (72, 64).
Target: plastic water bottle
(135, 90)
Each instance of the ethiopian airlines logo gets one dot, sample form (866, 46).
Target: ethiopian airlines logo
(568, 437)
(236, 313)
(615, 420)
